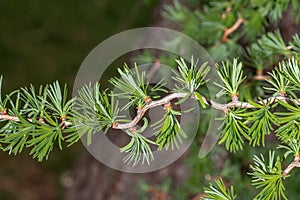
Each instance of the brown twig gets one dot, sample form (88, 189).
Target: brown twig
(295, 163)
(260, 75)
(216, 105)
(8, 117)
(225, 13)
(64, 123)
(166, 100)
(230, 30)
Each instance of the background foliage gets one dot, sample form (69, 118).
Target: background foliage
(258, 42)
(43, 41)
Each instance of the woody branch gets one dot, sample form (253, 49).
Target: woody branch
(230, 30)
(170, 97)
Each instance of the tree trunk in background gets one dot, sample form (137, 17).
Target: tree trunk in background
(92, 180)
(95, 181)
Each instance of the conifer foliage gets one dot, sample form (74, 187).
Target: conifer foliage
(239, 29)
(234, 32)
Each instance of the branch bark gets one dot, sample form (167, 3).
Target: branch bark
(290, 167)
(213, 104)
(170, 97)
(8, 117)
(230, 30)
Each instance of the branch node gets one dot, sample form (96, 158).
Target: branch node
(115, 125)
(132, 130)
(42, 120)
(3, 112)
(226, 110)
(282, 93)
(147, 100)
(167, 106)
(235, 97)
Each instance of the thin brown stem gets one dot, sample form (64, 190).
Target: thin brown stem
(260, 75)
(64, 123)
(216, 105)
(225, 13)
(8, 117)
(166, 100)
(230, 30)
(291, 166)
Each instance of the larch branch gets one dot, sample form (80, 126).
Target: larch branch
(167, 99)
(213, 104)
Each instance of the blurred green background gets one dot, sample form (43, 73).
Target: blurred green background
(43, 41)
